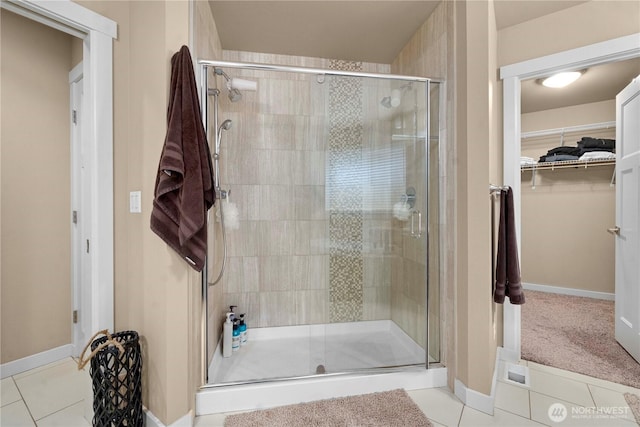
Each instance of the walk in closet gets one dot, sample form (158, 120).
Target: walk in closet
(567, 207)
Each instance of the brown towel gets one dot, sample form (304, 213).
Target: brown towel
(507, 264)
(184, 183)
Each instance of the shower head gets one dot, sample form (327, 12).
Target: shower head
(234, 85)
(393, 100)
(386, 102)
(234, 95)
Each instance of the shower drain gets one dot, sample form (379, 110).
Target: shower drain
(320, 369)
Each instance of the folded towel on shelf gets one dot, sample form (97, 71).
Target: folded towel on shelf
(527, 161)
(601, 149)
(598, 155)
(572, 151)
(557, 158)
(184, 188)
(588, 142)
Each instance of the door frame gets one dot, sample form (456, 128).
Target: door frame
(97, 33)
(613, 50)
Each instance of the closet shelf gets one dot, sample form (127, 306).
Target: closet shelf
(567, 164)
(575, 164)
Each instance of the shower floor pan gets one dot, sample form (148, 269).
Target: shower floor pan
(295, 351)
(246, 380)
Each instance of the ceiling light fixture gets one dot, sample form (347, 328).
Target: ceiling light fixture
(562, 79)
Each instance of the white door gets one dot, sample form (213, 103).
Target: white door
(627, 311)
(80, 263)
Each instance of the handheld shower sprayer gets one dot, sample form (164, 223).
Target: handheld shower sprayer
(226, 125)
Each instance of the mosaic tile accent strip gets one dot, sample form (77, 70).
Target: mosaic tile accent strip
(344, 195)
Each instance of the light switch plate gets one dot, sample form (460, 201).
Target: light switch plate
(135, 205)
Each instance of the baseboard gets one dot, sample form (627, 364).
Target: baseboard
(36, 360)
(509, 355)
(153, 421)
(569, 291)
(475, 399)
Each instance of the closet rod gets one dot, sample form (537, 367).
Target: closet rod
(560, 131)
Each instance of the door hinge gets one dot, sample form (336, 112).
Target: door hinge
(87, 245)
(74, 117)
(75, 316)
(75, 217)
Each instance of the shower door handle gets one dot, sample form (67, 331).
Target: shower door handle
(415, 234)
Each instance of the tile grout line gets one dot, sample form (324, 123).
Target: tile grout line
(530, 407)
(60, 410)
(35, 422)
(22, 399)
(461, 412)
(586, 380)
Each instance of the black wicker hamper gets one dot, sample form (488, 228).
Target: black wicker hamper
(116, 377)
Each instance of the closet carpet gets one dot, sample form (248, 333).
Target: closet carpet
(576, 334)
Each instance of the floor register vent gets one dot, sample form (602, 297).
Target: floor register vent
(518, 374)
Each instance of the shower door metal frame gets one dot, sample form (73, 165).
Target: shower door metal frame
(204, 100)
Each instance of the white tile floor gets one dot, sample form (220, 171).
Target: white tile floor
(54, 396)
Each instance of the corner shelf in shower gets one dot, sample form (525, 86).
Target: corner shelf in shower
(406, 137)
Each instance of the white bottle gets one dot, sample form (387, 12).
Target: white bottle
(227, 336)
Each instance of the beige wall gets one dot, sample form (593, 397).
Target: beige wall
(576, 115)
(155, 291)
(36, 207)
(577, 26)
(476, 145)
(565, 218)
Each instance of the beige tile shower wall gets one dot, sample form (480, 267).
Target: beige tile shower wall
(428, 54)
(273, 160)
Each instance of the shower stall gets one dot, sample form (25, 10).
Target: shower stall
(326, 230)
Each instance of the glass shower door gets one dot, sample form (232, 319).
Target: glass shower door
(333, 177)
(376, 201)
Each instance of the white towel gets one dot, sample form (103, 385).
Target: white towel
(598, 155)
(527, 161)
